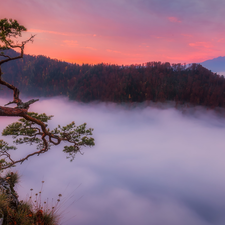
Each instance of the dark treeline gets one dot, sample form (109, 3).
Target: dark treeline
(153, 81)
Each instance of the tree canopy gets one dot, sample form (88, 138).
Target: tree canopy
(190, 84)
(32, 127)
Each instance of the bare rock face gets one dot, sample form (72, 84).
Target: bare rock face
(1, 217)
(7, 189)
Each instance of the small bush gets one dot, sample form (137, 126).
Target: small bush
(31, 212)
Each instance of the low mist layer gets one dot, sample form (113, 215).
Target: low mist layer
(149, 165)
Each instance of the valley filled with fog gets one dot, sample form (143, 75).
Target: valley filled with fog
(150, 165)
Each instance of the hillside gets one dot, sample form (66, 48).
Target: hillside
(152, 81)
(215, 65)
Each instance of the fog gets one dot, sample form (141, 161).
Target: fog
(150, 165)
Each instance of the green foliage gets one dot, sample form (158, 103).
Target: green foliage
(12, 178)
(43, 212)
(75, 134)
(28, 129)
(4, 148)
(42, 117)
(26, 212)
(9, 29)
(19, 215)
(4, 201)
(29, 132)
(25, 127)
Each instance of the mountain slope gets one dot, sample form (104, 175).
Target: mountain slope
(215, 65)
(152, 81)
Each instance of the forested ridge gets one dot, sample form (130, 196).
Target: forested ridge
(152, 81)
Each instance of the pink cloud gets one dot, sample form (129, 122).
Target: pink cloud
(174, 19)
(187, 35)
(122, 27)
(47, 31)
(70, 43)
(94, 49)
(109, 50)
(201, 44)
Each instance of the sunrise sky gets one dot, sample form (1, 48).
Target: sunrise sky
(122, 31)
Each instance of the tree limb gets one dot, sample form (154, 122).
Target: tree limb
(21, 46)
(6, 111)
(77, 136)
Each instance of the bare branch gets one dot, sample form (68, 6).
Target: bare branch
(5, 111)
(24, 105)
(22, 159)
(21, 46)
(16, 91)
(6, 56)
(31, 124)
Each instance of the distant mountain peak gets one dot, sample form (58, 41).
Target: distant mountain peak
(215, 65)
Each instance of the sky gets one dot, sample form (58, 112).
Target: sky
(122, 31)
(150, 165)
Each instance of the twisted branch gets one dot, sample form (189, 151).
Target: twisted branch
(76, 136)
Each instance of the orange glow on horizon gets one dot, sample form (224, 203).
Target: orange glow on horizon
(136, 34)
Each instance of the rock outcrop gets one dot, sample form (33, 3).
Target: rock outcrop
(8, 195)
